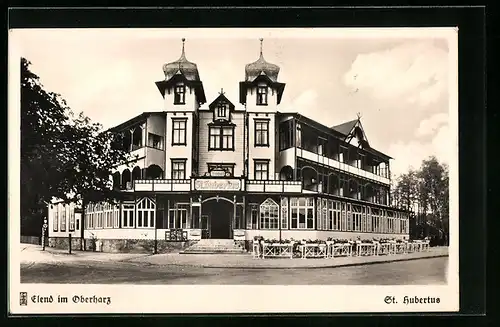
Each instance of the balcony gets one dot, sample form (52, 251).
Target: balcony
(274, 186)
(311, 156)
(162, 185)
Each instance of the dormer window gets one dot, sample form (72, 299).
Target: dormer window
(221, 110)
(180, 94)
(262, 95)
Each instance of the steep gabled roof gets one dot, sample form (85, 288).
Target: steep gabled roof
(220, 98)
(346, 127)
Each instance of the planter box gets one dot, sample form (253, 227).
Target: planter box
(277, 250)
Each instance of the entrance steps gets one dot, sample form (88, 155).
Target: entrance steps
(215, 246)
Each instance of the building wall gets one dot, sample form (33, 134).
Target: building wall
(261, 152)
(178, 151)
(191, 103)
(214, 156)
(272, 100)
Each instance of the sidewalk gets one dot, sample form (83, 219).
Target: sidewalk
(33, 254)
(248, 262)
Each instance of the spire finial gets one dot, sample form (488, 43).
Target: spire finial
(261, 40)
(183, 40)
(221, 91)
(359, 115)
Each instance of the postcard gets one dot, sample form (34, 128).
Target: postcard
(233, 170)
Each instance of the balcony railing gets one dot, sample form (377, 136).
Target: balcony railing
(162, 185)
(274, 186)
(341, 166)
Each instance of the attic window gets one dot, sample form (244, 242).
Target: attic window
(221, 110)
(262, 95)
(180, 94)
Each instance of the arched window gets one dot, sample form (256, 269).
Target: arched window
(146, 213)
(269, 214)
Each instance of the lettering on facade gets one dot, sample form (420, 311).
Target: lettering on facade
(216, 185)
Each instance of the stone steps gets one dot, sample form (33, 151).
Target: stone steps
(215, 246)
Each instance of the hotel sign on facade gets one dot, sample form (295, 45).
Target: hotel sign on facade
(217, 185)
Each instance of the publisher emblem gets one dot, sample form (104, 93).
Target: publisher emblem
(23, 298)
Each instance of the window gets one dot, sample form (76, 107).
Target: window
(108, 215)
(100, 216)
(145, 213)
(284, 213)
(128, 215)
(178, 168)
(78, 224)
(221, 138)
(72, 219)
(261, 168)
(333, 215)
(221, 110)
(285, 135)
(179, 131)
(116, 216)
(156, 141)
(261, 133)
(178, 216)
(56, 218)
(253, 222)
(180, 94)
(269, 215)
(63, 219)
(262, 95)
(228, 169)
(302, 213)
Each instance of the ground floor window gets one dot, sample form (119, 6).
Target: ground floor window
(128, 211)
(284, 213)
(72, 219)
(56, 220)
(302, 213)
(253, 216)
(178, 216)
(146, 213)
(63, 219)
(269, 214)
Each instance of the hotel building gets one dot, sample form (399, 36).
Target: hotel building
(223, 172)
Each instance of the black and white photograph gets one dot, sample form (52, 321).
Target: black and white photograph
(170, 170)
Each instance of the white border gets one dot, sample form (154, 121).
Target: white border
(236, 299)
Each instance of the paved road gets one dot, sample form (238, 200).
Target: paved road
(416, 272)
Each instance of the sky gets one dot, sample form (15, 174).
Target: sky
(398, 80)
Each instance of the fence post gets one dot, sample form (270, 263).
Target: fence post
(70, 243)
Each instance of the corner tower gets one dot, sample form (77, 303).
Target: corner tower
(261, 91)
(183, 92)
(182, 88)
(261, 94)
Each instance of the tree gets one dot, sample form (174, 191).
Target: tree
(426, 193)
(61, 156)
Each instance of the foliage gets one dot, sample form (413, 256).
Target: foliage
(61, 156)
(425, 193)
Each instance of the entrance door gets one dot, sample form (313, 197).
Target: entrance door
(219, 216)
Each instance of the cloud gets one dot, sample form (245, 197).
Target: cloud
(304, 102)
(413, 73)
(410, 154)
(431, 125)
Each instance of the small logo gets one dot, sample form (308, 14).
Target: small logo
(23, 298)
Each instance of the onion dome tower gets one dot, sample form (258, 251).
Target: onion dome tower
(259, 74)
(182, 72)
